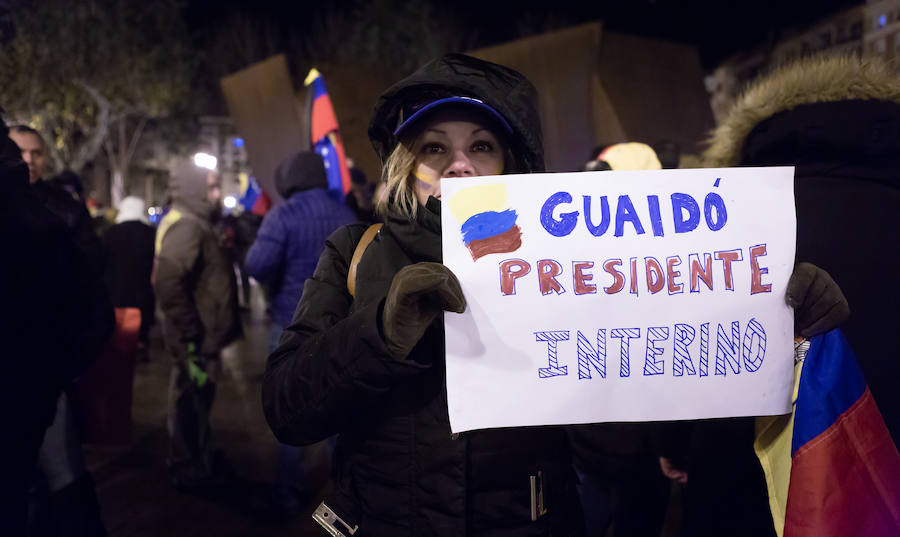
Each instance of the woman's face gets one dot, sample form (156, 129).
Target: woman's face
(454, 145)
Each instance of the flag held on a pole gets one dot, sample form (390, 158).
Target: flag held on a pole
(324, 134)
(253, 198)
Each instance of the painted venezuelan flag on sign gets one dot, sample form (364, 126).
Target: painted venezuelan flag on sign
(324, 134)
(488, 224)
(844, 469)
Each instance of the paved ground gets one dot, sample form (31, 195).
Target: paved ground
(132, 482)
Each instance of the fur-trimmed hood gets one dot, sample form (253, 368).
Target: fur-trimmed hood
(808, 81)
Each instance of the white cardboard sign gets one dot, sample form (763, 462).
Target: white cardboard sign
(619, 296)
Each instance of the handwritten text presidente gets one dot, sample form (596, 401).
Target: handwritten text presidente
(734, 349)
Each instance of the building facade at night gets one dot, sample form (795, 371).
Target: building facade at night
(870, 28)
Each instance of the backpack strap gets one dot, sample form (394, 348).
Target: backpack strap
(361, 246)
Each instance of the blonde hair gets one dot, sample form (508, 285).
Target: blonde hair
(399, 197)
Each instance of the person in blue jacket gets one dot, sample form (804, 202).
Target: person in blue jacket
(282, 257)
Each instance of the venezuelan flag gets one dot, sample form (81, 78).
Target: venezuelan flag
(488, 224)
(844, 469)
(254, 198)
(324, 134)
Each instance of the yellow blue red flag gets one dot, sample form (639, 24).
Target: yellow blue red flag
(844, 468)
(325, 136)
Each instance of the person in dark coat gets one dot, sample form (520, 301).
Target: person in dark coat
(55, 319)
(837, 121)
(283, 257)
(70, 182)
(129, 252)
(370, 367)
(56, 199)
(292, 235)
(197, 294)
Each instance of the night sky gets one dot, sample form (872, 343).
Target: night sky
(717, 28)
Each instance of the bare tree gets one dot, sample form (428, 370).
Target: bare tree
(108, 68)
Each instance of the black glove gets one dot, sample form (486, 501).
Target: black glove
(418, 294)
(819, 305)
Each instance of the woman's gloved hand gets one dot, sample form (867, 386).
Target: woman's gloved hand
(819, 305)
(417, 295)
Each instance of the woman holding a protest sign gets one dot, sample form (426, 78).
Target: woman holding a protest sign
(364, 355)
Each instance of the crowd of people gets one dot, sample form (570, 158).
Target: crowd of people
(356, 294)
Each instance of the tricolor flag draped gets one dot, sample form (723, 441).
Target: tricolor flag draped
(324, 135)
(844, 468)
(254, 199)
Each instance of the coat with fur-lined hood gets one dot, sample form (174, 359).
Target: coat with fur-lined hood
(837, 120)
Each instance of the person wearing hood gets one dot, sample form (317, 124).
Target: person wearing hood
(283, 257)
(129, 253)
(197, 294)
(368, 364)
(364, 354)
(837, 121)
(292, 235)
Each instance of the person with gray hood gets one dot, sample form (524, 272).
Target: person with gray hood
(197, 294)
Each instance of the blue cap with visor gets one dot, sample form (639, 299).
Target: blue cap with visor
(411, 115)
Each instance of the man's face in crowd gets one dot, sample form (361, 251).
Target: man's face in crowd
(213, 189)
(32, 153)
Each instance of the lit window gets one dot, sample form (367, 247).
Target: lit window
(882, 21)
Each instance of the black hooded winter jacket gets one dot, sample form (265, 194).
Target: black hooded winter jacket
(399, 471)
(837, 121)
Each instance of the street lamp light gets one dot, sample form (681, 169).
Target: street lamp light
(230, 202)
(205, 160)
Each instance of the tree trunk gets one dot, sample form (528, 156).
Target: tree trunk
(117, 186)
(149, 191)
